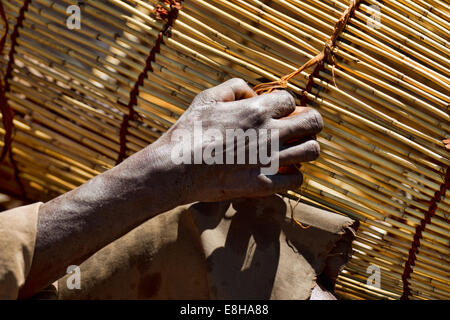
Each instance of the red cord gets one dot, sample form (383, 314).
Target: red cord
(171, 16)
(419, 234)
(7, 112)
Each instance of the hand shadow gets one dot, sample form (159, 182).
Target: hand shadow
(245, 250)
(246, 266)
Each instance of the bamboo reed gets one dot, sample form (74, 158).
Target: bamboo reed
(385, 102)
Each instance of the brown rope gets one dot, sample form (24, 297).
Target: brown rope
(170, 17)
(326, 55)
(419, 234)
(7, 112)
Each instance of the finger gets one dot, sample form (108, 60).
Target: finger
(268, 185)
(304, 122)
(297, 141)
(305, 152)
(231, 90)
(277, 104)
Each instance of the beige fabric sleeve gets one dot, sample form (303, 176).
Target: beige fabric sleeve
(18, 229)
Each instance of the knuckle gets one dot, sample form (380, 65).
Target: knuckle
(203, 96)
(258, 119)
(237, 82)
(256, 110)
(286, 99)
(313, 150)
(316, 120)
(251, 116)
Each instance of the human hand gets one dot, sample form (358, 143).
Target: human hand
(210, 164)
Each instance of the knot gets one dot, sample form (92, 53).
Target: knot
(161, 13)
(283, 83)
(270, 86)
(174, 3)
(329, 45)
(325, 55)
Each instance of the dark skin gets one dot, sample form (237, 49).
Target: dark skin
(75, 225)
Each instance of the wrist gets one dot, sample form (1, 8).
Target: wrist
(161, 181)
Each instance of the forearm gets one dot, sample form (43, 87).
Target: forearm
(75, 225)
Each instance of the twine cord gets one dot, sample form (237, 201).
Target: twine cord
(7, 112)
(326, 55)
(170, 17)
(293, 218)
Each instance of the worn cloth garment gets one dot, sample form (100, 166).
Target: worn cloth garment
(17, 239)
(245, 249)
